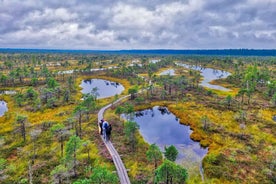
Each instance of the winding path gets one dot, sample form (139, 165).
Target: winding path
(121, 170)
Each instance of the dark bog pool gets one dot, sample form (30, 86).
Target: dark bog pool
(3, 107)
(158, 125)
(105, 88)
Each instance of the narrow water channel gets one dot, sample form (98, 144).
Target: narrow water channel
(160, 126)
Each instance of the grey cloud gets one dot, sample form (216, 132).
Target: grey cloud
(107, 24)
(223, 5)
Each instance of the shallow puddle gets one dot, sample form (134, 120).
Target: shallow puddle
(7, 92)
(168, 72)
(3, 107)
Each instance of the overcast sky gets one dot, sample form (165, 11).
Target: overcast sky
(138, 24)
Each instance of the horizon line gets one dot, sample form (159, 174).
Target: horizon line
(155, 49)
(199, 52)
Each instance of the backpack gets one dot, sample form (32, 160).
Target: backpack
(105, 125)
(108, 129)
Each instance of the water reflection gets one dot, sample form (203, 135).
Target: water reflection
(160, 126)
(154, 61)
(168, 72)
(92, 70)
(209, 75)
(102, 88)
(7, 92)
(3, 107)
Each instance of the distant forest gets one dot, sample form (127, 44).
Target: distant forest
(214, 52)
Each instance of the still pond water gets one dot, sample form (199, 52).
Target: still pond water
(168, 72)
(7, 92)
(209, 74)
(159, 126)
(3, 107)
(105, 88)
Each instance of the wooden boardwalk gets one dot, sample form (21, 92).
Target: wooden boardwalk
(121, 170)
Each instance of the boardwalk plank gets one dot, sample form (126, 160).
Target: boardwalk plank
(121, 170)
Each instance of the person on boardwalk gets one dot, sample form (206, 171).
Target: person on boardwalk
(108, 131)
(101, 126)
(105, 127)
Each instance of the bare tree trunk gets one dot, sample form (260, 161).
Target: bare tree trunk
(30, 173)
(75, 160)
(76, 129)
(23, 131)
(61, 146)
(80, 117)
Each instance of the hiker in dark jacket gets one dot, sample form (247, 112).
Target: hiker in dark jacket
(105, 127)
(108, 131)
(101, 126)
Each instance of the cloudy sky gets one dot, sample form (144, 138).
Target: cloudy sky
(138, 24)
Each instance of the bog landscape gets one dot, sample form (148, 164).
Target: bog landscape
(137, 92)
(185, 118)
